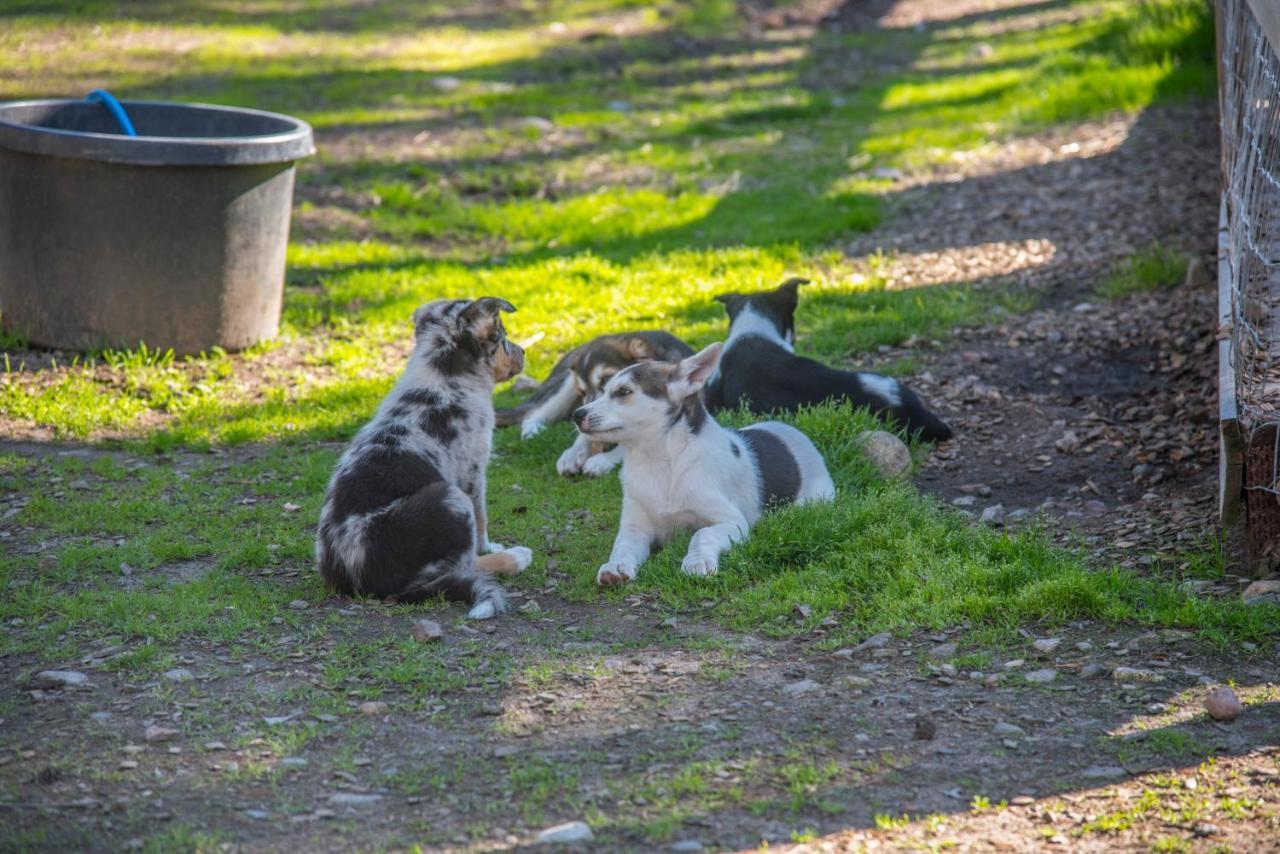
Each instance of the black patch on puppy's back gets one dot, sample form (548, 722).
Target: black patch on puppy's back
(778, 469)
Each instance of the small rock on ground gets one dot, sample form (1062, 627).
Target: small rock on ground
(573, 831)
(993, 515)
(427, 631)
(1261, 592)
(943, 650)
(875, 641)
(156, 733)
(804, 686)
(1047, 645)
(373, 707)
(354, 799)
(179, 674)
(1135, 674)
(62, 678)
(1104, 772)
(1222, 704)
(686, 845)
(1040, 677)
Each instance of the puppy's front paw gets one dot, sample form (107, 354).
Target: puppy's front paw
(697, 565)
(613, 574)
(490, 606)
(522, 555)
(529, 429)
(490, 547)
(572, 460)
(599, 465)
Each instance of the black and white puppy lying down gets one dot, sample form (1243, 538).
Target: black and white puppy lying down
(760, 368)
(405, 514)
(682, 470)
(577, 378)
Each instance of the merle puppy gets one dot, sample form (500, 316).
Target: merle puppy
(760, 368)
(405, 515)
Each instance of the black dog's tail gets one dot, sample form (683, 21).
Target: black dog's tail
(917, 420)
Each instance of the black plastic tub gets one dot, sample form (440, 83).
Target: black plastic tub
(175, 237)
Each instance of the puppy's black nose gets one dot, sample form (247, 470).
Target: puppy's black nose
(580, 416)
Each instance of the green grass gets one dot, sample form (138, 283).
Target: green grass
(735, 161)
(1149, 269)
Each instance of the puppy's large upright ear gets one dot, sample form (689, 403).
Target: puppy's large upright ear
(732, 302)
(692, 373)
(480, 316)
(790, 285)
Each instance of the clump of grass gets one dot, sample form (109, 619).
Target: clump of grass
(1155, 267)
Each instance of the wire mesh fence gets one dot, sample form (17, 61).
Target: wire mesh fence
(1249, 250)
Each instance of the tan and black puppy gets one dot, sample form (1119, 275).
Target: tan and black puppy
(405, 516)
(577, 379)
(583, 371)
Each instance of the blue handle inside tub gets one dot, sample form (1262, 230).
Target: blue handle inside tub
(113, 106)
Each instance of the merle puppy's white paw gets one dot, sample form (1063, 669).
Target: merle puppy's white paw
(572, 460)
(697, 565)
(529, 429)
(523, 557)
(614, 573)
(490, 547)
(599, 465)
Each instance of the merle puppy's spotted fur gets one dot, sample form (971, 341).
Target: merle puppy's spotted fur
(405, 512)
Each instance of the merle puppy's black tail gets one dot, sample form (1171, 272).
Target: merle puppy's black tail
(917, 420)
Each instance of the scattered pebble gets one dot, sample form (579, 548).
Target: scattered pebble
(299, 605)
(1007, 729)
(1093, 671)
(1047, 645)
(62, 678)
(994, 515)
(1104, 772)
(573, 831)
(1041, 677)
(874, 642)
(1222, 704)
(427, 631)
(887, 453)
(1014, 663)
(1135, 674)
(354, 799)
(1262, 592)
(373, 707)
(179, 674)
(155, 733)
(686, 845)
(943, 650)
(293, 762)
(1084, 646)
(538, 123)
(804, 686)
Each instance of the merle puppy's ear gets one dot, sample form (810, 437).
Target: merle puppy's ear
(479, 317)
(692, 373)
(485, 307)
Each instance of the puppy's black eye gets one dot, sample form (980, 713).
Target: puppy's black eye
(622, 391)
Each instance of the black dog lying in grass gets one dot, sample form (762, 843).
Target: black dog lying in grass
(760, 369)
